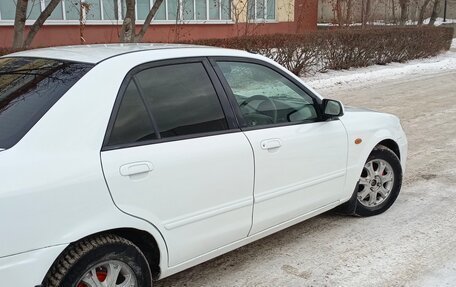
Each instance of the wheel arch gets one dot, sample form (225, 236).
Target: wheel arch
(146, 243)
(383, 139)
(349, 205)
(392, 145)
(144, 240)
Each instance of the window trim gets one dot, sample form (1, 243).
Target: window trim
(234, 105)
(119, 22)
(265, 19)
(220, 93)
(120, 12)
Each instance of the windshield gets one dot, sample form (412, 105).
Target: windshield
(28, 89)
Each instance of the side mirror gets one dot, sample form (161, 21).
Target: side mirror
(332, 109)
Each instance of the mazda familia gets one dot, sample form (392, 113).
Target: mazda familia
(123, 164)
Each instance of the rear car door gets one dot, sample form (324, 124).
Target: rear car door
(174, 157)
(300, 160)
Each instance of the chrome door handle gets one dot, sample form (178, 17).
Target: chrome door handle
(271, 144)
(130, 169)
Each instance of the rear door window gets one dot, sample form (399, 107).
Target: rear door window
(133, 123)
(168, 102)
(29, 87)
(182, 100)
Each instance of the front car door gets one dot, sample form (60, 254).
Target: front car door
(172, 158)
(300, 160)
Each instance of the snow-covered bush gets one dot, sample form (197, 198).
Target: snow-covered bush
(343, 48)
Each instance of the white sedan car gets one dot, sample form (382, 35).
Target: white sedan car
(124, 164)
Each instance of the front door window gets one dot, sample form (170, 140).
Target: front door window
(265, 97)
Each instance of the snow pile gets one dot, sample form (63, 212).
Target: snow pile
(346, 79)
(439, 21)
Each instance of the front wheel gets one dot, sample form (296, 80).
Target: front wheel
(101, 261)
(379, 183)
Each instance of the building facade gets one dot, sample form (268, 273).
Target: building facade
(100, 21)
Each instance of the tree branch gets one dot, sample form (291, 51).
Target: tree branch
(40, 21)
(150, 16)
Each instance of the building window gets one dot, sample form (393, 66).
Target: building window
(113, 11)
(72, 9)
(57, 14)
(261, 9)
(7, 10)
(202, 10)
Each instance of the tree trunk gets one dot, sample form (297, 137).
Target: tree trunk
(393, 5)
(338, 10)
(349, 12)
(363, 15)
(367, 12)
(422, 12)
(435, 12)
(19, 23)
(127, 33)
(150, 16)
(40, 21)
(404, 11)
(84, 7)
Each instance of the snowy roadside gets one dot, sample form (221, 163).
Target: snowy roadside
(360, 77)
(438, 21)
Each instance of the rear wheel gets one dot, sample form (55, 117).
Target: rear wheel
(101, 261)
(379, 183)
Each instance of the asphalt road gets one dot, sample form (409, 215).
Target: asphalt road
(412, 244)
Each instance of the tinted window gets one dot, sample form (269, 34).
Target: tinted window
(28, 88)
(132, 123)
(182, 99)
(266, 97)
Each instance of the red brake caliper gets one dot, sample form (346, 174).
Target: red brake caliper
(101, 275)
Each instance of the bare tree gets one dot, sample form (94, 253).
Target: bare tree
(19, 23)
(21, 17)
(435, 12)
(367, 7)
(393, 7)
(404, 10)
(128, 31)
(238, 10)
(84, 8)
(40, 21)
(342, 10)
(423, 11)
(348, 17)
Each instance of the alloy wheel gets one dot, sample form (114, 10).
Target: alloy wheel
(376, 183)
(110, 273)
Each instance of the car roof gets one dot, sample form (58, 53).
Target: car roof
(99, 52)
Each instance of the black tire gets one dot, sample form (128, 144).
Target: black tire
(80, 257)
(382, 153)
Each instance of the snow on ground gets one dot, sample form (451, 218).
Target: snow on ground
(352, 78)
(439, 21)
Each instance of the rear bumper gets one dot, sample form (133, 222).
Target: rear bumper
(29, 268)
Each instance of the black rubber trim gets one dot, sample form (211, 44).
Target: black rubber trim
(240, 119)
(223, 99)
